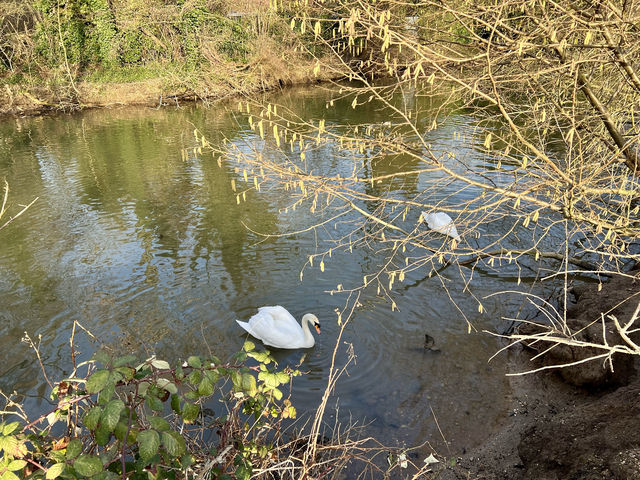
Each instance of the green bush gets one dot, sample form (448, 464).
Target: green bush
(234, 38)
(134, 47)
(83, 31)
(139, 420)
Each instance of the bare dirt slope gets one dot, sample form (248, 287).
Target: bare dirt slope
(576, 424)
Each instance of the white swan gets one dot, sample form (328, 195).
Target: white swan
(441, 222)
(276, 327)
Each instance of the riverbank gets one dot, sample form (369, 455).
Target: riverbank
(268, 74)
(158, 53)
(555, 430)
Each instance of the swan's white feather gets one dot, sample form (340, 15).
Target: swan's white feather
(276, 327)
(442, 223)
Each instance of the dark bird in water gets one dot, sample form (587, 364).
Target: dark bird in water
(429, 343)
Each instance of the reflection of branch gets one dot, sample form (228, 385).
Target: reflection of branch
(368, 215)
(575, 261)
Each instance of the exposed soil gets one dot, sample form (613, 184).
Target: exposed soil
(577, 423)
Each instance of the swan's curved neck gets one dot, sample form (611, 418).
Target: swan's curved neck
(309, 341)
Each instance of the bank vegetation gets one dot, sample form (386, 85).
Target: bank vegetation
(57, 55)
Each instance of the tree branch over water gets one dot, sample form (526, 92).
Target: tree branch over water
(540, 100)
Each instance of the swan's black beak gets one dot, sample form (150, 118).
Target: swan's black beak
(317, 325)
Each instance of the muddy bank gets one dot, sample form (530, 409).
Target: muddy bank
(569, 424)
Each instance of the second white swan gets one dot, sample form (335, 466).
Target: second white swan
(442, 223)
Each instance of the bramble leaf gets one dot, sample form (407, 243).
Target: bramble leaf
(88, 465)
(194, 362)
(167, 385)
(54, 471)
(190, 412)
(101, 356)
(106, 475)
(159, 423)
(277, 394)
(111, 414)
(249, 384)
(175, 403)
(107, 392)
(102, 435)
(148, 443)
(74, 448)
(10, 428)
(124, 360)
(9, 475)
(205, 387)
(174, 443)
(195, 377)
(92, 417)
(97, 381)
(16, 465)
(127, 372)
(160, 364)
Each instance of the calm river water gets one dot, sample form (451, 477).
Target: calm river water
(152, 252)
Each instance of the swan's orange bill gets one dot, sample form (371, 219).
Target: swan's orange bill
(317, 325)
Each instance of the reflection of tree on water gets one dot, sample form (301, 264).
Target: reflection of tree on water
(165, 193)
(120, 214)
(223, 223)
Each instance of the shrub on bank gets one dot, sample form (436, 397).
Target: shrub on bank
(130, 419)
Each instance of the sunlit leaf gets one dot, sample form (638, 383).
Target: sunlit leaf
(16, 465)
(277, 394)
(54, 471)
(10, 428)
(9, 475)
(97, 381)
(160, 364)
(249, 384)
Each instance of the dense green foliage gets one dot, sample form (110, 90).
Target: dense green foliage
(82, 37)
(140, 420)
(99, 34)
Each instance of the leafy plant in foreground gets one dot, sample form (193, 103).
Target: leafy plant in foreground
(148, 420)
